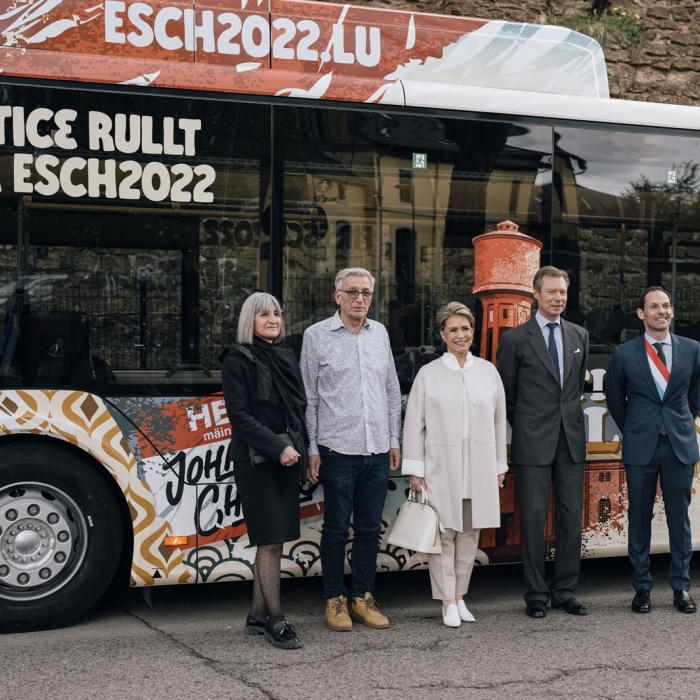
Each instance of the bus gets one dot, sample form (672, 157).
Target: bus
(159, 161)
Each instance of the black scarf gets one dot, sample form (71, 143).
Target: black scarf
(277, 368)
(278, 379)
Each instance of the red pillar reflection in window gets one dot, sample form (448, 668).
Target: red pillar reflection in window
(505, 262)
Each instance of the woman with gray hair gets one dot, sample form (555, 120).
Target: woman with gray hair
(454, 448)
(266, 403)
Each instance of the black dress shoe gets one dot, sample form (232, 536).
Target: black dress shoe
(683, 601)
(573, 607)
(254, 626)
(282, 635)
(535, 609)
(641, 603)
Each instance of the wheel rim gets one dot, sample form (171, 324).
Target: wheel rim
(43, 538)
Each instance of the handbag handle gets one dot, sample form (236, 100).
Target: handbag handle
(423, 497)
(423, 502)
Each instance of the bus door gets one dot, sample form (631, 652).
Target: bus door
(403, 196)
(178, 429)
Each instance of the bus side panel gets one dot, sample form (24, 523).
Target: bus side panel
(182, 451)
(232, 558)
(605, 511)
(182, 447)
(83, 420)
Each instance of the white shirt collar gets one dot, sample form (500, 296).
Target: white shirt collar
(450, 361)
(542, 321)
(665, 341)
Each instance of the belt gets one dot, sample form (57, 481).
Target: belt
(323, 450)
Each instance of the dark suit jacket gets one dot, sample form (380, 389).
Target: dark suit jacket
(634, 402)
(535, 402)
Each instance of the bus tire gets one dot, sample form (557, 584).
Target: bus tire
(61, 535)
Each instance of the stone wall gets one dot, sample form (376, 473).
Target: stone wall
(655, 58)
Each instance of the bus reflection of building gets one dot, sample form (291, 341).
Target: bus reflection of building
(505, 261)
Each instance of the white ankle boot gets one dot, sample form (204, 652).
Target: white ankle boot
(450, 616)
(463, 612)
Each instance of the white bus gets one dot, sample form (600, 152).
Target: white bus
(158, 164)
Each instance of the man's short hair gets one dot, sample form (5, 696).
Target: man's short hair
(453, 308)
(648, 290)
(548, 271)
(353, 272)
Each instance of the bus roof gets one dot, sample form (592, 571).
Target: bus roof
(291, 48)
(423, 93)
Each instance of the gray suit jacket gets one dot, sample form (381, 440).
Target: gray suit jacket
(536, 404)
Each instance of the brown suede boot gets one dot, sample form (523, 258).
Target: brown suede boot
(337, 617)
(366, 610)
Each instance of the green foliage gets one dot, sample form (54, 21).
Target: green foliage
(616, 27)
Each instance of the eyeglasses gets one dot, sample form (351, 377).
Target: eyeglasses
(354, 293)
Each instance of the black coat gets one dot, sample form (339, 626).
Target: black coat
(254, 423)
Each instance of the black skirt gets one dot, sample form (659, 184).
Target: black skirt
(270, 498)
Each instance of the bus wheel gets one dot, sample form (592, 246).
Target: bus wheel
(60, 536)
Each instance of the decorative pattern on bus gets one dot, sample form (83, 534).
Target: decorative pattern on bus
(290, 48)
(83, 420)
(185, 488)
(183, 453)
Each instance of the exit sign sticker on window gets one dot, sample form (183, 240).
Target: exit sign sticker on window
(420, 161)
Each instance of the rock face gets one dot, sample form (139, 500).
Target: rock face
(655, 58)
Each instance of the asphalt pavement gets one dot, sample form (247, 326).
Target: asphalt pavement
(190, 644)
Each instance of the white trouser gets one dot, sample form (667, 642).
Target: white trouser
(451, 570)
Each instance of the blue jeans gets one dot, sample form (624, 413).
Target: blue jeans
(354, 486)
(676, 480)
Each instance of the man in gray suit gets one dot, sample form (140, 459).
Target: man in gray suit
(543, 367)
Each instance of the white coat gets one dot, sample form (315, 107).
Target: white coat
(432, 438)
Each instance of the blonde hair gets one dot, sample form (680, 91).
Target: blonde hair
(453, 308)
(252, 306)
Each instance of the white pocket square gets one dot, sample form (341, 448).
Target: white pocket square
(577, 350)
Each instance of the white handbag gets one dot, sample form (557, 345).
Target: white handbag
(416, 526)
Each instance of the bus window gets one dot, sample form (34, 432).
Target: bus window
(403, 196)
(626, 208)
(133, 245)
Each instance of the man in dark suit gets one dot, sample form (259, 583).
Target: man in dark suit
(653, 394)
(543, 367)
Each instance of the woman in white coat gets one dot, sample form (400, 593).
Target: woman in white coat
(454, 447)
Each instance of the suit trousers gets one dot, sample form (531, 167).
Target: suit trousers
(451, 570)
(533, 484)
(676, 480)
